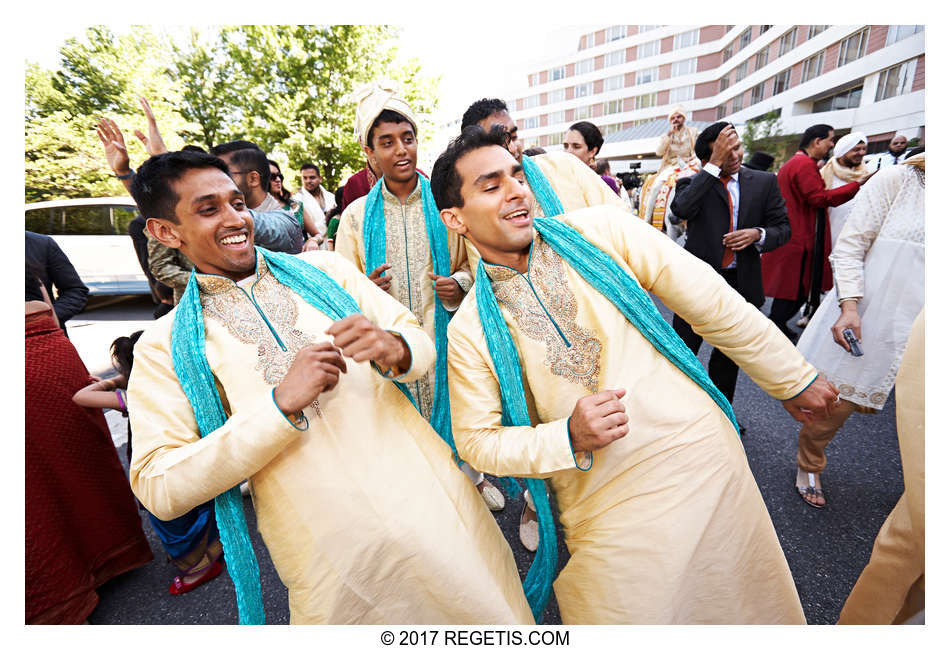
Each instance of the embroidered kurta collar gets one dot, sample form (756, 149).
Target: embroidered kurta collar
(414, 196)
(500, 273)
(212, 284)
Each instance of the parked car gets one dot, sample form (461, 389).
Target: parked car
(94, 234)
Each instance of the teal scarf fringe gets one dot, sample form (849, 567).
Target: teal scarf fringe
(543, 192)
(197, 380)
(374, 243)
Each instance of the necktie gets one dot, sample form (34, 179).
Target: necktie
(728, 255)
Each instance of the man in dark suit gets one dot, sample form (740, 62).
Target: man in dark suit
(48, 264)
(731, 214)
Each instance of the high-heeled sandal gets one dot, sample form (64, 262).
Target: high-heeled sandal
(210, 572)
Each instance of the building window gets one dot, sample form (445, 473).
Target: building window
(811, 68)
(583, 67)
(613, 106)
(815, 30)
(894, 81)
(611, 128)
(583, 90)
(532, 101)
(614, 58)
(737, 103)
(589, 40)
(648, 49)
(720, 112)
(686, 39)
(745, 38)
(850, 98)
(741, 71)
(582, 113)
(723, 83)
(762, 59)
(556, 118)
(616, 32)
(686, 66)
(646, 28)
(681, 94)
(531, 122)
(647, 75)
(852, 48)
(764, 28)
(533, 79)
(645, 101)
(555, 96)
(900, 32)
(780, 85)
(758, 91)
(727, 54)
(556, 73)
(786, 42)
(613, 83)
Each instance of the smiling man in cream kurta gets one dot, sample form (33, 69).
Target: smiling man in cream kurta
(660, 511)
(365, 515)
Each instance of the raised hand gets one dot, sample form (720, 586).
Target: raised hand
(383, 282)
(598, 420)
(725, 142)
(154, 145)
(117, 155)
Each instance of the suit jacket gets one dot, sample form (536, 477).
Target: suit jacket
(51, 267)
(703, 203)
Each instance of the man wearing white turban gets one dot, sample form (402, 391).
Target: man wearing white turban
(846, 165)
(679, 140)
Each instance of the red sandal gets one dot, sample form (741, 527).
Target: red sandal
(210, 572)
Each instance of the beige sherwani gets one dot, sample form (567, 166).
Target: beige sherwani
(668, 525)
(407, 250)
(364, 513)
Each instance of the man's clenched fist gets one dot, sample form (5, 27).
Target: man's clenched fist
(316, 369)
(598, 420)
(362, 340)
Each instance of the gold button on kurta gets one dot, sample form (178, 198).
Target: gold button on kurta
(365, 515)
(668, 525)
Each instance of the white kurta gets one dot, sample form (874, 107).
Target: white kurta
(667, 526)
(837, 216)
(363, 511)
(879, 258)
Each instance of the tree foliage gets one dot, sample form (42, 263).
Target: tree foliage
(764, 133)
(283, 87)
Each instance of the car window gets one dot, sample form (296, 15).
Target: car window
(87, 220)
(121, 216)
(41, 220)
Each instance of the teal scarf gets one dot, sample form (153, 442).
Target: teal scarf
(541, 188)
(197, 381)
(374, 243)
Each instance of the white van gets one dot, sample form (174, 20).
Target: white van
(94, 235)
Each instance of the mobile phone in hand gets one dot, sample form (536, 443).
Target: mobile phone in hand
(853, 343)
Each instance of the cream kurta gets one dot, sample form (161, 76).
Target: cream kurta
(678, 147)
(364, 513)
(668, 525)
(407, 250)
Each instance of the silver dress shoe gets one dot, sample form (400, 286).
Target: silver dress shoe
(493, 497)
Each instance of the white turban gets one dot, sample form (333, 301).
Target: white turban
(849, 142)
(677, 110)
(372, 99)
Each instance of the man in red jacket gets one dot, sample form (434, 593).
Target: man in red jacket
(787, 271)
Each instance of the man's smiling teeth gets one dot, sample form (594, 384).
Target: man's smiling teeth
(234, 239)
(515, 215)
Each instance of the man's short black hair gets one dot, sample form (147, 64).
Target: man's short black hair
(593, 138)
(152, 183)
(445, 181)
(704, 140)
(387, 117)
(310, 165)
(193, 147)
(252, 160)
(233, 145)
(818, 131)
(481, 109)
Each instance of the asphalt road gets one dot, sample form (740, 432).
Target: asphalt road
(826, 549)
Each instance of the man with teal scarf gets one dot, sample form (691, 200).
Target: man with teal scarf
(395, 236)
(292, 372)
(561, 368)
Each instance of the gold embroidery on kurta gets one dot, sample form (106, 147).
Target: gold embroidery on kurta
(225, 302)
(579, 363)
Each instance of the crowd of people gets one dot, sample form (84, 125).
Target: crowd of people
(361, 361)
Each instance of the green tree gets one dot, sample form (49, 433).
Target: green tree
(764, 134)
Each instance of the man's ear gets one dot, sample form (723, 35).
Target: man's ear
(253, 179)
(370, 156)
(164, 231)
(452, 218)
